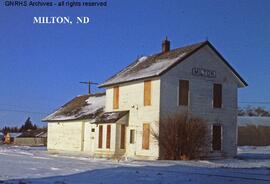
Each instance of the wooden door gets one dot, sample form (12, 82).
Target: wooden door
(146, 136)
(123, 137)
(108, 138)
(216, 138)
(100, 136)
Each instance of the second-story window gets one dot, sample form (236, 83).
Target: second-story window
(183, 92)
(147, 93)
(116, 97)
(217, 96)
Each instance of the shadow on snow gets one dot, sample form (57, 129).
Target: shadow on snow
(153, 175)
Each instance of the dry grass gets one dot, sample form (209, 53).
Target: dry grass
(253, 135)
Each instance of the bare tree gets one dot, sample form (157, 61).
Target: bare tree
(181, 137)
(253, 111)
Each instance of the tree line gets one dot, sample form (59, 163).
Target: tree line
(28, 125)
(253, 111)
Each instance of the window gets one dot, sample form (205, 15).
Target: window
(216, 138)
(108, 140)
(146, 136)
(183, 92)
(100, 136)
(116, 97)
(217, 96)
(123, 136)
(92, 130)
(147, 93)
(132, 137)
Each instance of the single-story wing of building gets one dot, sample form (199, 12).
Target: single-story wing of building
(195, 79)
(73, 127)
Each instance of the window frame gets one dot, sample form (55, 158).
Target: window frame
(132, 136)
(188, 93)
(215, 87)
(147, 93)
(116, 97)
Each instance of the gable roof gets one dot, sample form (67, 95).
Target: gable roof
(158, 64)
(80, 107)
(110, 117)
(34, 133)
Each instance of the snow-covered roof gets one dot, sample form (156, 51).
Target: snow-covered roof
(34, 133)
(253, 120)
(81, 107)
(110, 117)
(14, 134)
(157, 64)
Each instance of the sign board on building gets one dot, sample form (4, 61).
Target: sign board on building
(203, 72)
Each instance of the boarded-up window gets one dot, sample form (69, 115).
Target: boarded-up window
(108, 140)
(132, 137)
(183, 92)
(147, 93)
(123, 137)
(116, 97)
(216, 138)
(100, 136)
(217, 95)
(146, 136)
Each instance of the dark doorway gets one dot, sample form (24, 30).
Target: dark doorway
(216, 138)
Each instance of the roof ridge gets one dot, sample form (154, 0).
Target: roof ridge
(92, 94)
(128, 67)
(121, 71)
(151, 67)
(186, 46)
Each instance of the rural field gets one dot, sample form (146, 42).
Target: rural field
(27, 165)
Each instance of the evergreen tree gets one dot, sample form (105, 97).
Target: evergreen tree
(28, 125)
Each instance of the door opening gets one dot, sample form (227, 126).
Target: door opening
(216, 137)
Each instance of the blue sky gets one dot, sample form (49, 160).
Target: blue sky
(41, 65)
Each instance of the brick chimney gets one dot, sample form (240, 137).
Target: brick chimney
(166, 45)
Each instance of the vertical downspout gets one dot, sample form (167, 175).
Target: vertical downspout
(82, 138)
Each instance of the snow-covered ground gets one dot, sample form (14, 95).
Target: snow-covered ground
(35, 165)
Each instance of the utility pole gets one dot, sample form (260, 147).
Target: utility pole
(89, 85)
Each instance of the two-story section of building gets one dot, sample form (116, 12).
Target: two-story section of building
(194, 79)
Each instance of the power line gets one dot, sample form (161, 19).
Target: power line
(12, 105)
(38, 112)
(255, 102)
(22, 111)
(89, 85)
(15, 106)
